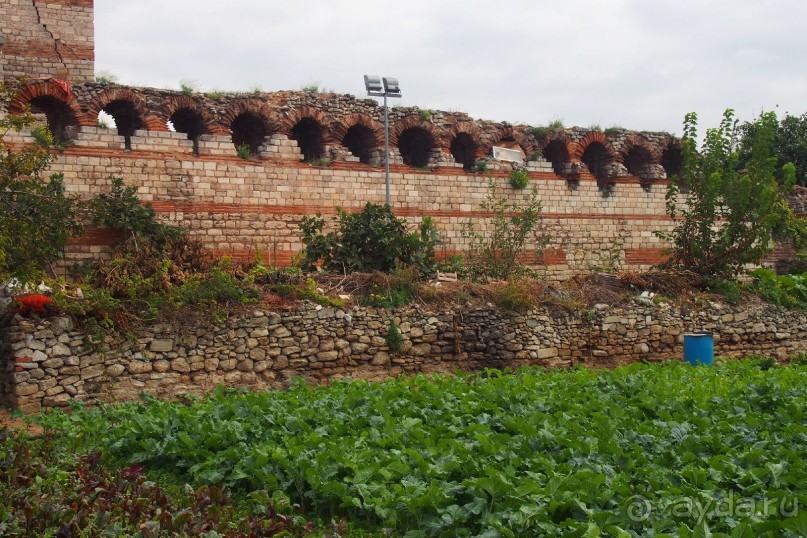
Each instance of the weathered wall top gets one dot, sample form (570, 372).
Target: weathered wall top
(342, 127)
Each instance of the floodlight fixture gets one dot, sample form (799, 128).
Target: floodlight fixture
(373, 84)
(391, 87)
(383, 87)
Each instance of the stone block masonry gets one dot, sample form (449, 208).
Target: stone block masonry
(47, 38)
(49, 363)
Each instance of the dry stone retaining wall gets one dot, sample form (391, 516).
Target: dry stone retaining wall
(50, 362)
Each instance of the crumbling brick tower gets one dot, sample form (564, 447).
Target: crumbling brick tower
(47, 38)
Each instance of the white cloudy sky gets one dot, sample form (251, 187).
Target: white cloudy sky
(640, 64)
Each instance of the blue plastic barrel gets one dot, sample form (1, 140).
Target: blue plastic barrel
(699, 349)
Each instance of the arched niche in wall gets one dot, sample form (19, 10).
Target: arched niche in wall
(308, 133)
(360, 140)
(557, 153)
(672, 160)
(596, 157)
(463, 149)
(127, 118)
(637, 161)
(58, 114)
(249, 129)
(191, 122)
(415, 145)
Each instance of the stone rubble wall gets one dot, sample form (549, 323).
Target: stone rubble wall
(48, 363)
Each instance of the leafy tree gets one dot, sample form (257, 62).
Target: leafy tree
(790, 144)
(37, 216)
(498, 254)
(372, 239)
(726, 210)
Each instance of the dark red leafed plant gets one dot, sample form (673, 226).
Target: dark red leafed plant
(33, 302)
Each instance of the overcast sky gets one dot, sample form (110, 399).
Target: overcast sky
(639, 64)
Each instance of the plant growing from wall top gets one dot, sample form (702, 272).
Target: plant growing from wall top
(731, 208)
(514, 228)
(36, 216)
(372, 239)
(519, 179)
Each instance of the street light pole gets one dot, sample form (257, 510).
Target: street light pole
(386, 146)
(384, 87)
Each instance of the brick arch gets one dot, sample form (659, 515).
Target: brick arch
(438, 135)
(590, 138)
(635, 140)
(46, 88)
(339, 128)
(151, 122)
(671, 156)
(470, 129)
(171, 104)
(558, 136)
(557, 148)
(253, 106)
(507, 131)
(296, 115)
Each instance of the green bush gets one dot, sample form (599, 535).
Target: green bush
(121, 209)
(783, 290)
(519, 179)
(372, 239)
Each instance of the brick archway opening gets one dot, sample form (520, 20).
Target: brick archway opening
(673, 161)
(360, 140)
(58, 115)
(249, 129)
(557, 153)
(127, 119)
(190, 122)
(308, 134)
(463, 148)
(596, 159)
(415, 145)
(637, 161)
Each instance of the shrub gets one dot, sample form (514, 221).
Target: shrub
(121, 209)
(519, 179)
(783, 290)
(36, 215)
(515, 227)
(372, 239)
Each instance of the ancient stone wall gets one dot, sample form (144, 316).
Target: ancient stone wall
(603, 194)
(48, 363)
(47, 38)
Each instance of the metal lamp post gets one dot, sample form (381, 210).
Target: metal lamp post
(383, 87)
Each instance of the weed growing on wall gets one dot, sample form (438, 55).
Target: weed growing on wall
(243, 151)
(187, 87)
(519, 179)
(394, 339)
(514, 228)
